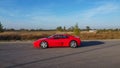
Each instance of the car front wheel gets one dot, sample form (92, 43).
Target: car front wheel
(43, 44)
(73, 44)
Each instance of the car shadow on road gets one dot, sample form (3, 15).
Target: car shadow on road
(91, 43)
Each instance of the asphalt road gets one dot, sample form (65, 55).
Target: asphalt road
(92, 54)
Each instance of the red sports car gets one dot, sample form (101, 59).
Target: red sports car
(58, 40)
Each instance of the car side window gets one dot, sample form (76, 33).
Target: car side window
(56, 37)
(60, 37)
(64, 37)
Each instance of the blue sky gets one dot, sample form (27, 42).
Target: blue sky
(48, 14)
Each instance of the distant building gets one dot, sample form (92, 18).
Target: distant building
(92, 31)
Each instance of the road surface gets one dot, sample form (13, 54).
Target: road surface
(92, 54)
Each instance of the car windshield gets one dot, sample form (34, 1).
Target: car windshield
(51, 36)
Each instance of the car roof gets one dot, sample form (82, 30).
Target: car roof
(63, 34)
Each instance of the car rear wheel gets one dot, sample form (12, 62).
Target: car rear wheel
(73, 44)
(43, 44)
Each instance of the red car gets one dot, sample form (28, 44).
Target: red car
(58, 40)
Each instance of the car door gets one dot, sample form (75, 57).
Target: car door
(55, 41)
(64, 40)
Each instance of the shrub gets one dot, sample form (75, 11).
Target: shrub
(76, 30)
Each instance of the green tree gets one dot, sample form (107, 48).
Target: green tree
(1, 27)
(59, 28)
(64, 28)
(116, 29)
(76, 30)
(71, 28)
(87, 28)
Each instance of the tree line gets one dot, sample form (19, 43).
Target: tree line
(74, 29)
(1, 27)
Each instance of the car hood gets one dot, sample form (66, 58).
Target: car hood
(36, 43)
(43, 38)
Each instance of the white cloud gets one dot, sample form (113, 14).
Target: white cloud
(87, 16)
(102, 9)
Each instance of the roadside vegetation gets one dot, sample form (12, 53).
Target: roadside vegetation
(33, 34)
(1, 28)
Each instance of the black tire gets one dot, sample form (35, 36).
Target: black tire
(73, 44)
(43, 44)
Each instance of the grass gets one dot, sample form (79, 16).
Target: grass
(33, 35)
(24, 35)
(101, 35)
